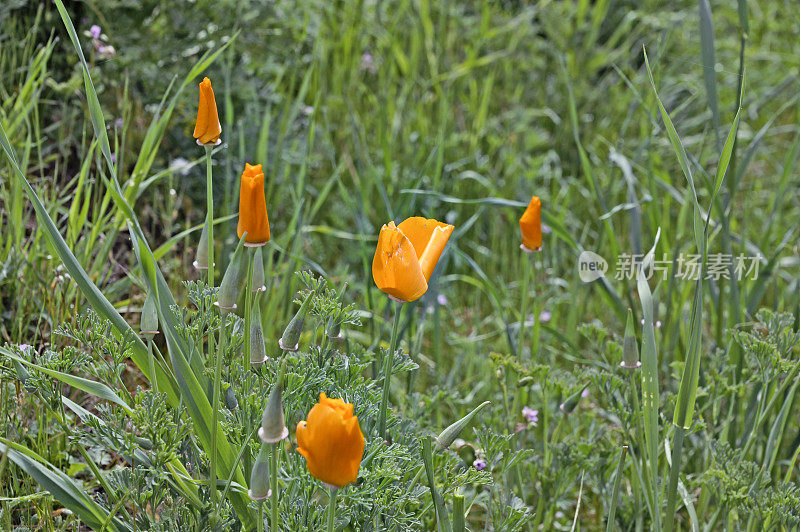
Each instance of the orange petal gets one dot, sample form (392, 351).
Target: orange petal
(395, 267)
(430, 257)
(253, 218)
(530, 225)
(207, 128)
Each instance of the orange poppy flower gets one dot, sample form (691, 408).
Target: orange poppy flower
(332, 442)
(531, 225)
(253, 218)
(407, 255)
(207, 128)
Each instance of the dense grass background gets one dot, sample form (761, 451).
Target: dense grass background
(364, 112)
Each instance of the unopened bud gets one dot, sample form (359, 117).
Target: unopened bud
(258, 351)
(572, 401)
(232, 280)
(289, 340)
(201, 257)
(259, 477)
(258, 282)
(230, 399)
(273, 425)
(449, 435)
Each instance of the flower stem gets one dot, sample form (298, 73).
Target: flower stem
(526, 281)
(332, 509)
(273, 470)
(215, 399)
(212, 478)
(387, 370)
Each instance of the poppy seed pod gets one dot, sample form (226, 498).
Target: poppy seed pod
(258, 272)
(258, 351)
(449, 435)
(148, 326)
(332, 442)
(290, 339)
(630, 348)
(253, 219)
(273, 425)
(230, 399)
(201, 257)
(406, 256)
(207, 128)
(530, 225)
(259, 477)
(572, 401)
(233, 280)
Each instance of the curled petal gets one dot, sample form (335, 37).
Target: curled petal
(396, 268)
(530, 225)
(253, 218)
(207, 128)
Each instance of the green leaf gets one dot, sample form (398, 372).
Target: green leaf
(61, 487)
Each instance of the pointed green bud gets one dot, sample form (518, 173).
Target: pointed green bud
(259, 284)
(201, 257)
(290, 339)
(449, 435)
(630, 348)
(230, 399)
(148, 324)
(572, 401)
(273, 425)
(233, 280)
(259, 477)
(258, 351)
(334, 327)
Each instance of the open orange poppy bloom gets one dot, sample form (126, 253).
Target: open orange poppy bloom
(253, 218)
(407, 255)
(207, 128)
(531, 225)
(332, 442)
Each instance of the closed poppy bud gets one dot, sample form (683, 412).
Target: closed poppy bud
(201, 257)
(258, 272)
(233, 279)
(259, 476)
(148, 326)
(258, 352)
(449, 435)
(290, 339)
(253, 218)
(273, 425)
(406, 256)
(207, 128)
(531, 226)
(572, 401)
(630, 348)
(332, 442)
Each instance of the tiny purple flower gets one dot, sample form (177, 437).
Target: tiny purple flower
(367, 62)
(24, 347)
(531, 415)
(441, 299)
(545, 316)
(546, 229)
(479, 464)
(95, 31)
(585, 393)
(119, 122)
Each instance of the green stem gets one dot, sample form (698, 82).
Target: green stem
(215, 398)
(526, 281)
(332, 509)
(273, 471)
(260, 516)
(212, 478)
(387, 370)
(674, 470)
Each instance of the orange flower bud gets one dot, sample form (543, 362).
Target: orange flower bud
(207, 128)
(531, 225)
(332, 442)
(406, 256)
(253, 218)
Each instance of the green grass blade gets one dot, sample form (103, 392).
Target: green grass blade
(650, 393)
(709, 62)
(63, 488)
